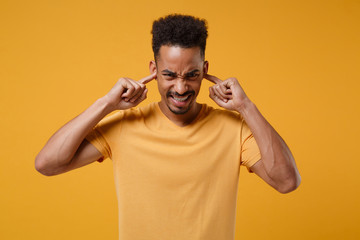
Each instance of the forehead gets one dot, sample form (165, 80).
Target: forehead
(176, 58)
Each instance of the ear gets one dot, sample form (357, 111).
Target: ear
(152, 67)
(206, 67)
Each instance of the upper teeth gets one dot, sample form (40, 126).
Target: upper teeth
(180, 99)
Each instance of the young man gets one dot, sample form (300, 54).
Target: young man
(176, 162)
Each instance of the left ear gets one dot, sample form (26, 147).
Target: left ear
(152, 67)
(206, 67)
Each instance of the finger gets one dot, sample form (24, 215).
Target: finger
(221, 89)
(133, 88)
(128, 88)
(142, 97)
(211, 93)
(214, 97)
(212, 78)
(147, 79)
(224, 88)
(219, 94)
(138, 93)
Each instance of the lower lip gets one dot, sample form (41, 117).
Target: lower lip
(180, 103)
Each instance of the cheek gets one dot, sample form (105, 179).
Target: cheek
(196, 85)
(163, 85)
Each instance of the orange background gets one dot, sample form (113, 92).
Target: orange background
(297, 60)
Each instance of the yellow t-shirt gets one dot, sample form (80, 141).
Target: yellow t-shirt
(174, 182)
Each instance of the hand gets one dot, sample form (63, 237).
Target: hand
(227, 94)
(128, 93)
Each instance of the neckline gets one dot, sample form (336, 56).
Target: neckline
(172, 124)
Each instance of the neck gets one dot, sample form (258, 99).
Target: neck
(181, 119)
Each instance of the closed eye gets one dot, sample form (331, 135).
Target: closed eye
(192, 76)
(169, 75)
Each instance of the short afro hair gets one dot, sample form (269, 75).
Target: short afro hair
(179, 30)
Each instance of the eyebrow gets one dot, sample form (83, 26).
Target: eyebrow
(166, 71)
(192, 72)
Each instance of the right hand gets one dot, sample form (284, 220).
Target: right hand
(128, 93)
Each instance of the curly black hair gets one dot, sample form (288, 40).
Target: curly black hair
(179, 30)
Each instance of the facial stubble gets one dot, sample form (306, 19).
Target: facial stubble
(180, 111)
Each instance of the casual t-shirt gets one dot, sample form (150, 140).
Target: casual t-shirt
(174, 182)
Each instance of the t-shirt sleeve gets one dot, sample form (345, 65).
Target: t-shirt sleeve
(102, 135)
(250, 152)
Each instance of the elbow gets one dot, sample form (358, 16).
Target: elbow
(41, 166)
(289, 185)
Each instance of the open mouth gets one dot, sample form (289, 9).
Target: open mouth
(183, 99)
(180, 100)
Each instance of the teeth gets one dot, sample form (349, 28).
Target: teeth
(181, 99)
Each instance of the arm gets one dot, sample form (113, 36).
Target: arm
(277, 166)
(68, 149)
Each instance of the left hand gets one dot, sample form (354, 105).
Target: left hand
(228, 93)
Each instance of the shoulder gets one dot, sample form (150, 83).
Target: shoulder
(139, 112)
(131, 114)
(221, 114)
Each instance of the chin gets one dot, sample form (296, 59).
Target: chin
(181, 111)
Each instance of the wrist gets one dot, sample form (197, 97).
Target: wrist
(245, 106)
(106, 106)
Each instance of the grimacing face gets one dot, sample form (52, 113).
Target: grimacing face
(179, 75)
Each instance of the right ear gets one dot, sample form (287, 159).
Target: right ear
(152, 67)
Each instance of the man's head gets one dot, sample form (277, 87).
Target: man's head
(179, 30)
(179, 43)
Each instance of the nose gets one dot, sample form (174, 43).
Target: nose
(180, 86)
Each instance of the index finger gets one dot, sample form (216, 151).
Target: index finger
(212, 78)
(148, 78)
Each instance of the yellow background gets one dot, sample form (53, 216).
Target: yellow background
(297, 60)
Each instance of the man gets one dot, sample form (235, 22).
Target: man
(176, 162)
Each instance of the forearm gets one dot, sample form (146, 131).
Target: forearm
(276, 157)
(62, 146)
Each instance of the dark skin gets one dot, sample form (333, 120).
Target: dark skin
(277, 166)
(188, 76)
(179, 73)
